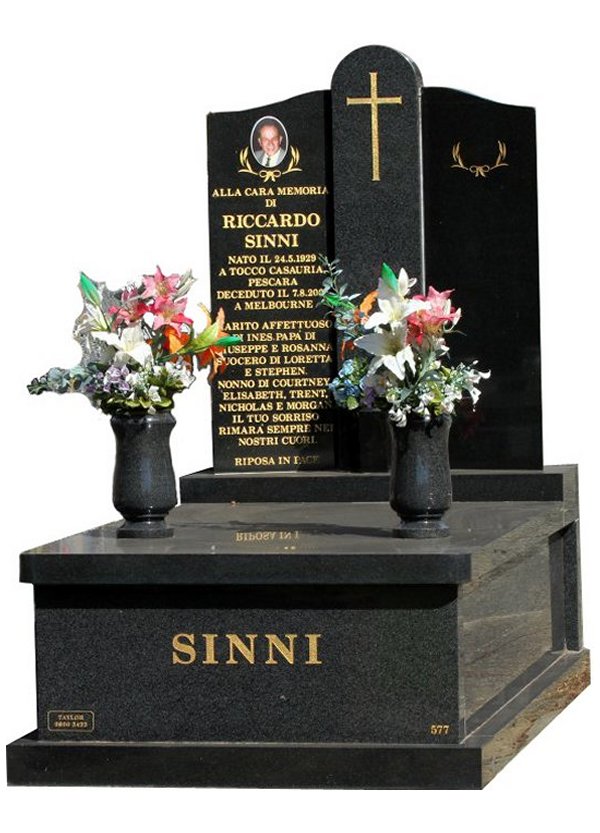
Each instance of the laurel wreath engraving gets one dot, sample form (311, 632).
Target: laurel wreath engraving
(268, 174)
(480, 170)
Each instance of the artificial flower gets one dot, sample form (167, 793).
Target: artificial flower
(137, 346)
(175, 339)
(390, 349)
(168, 311)
(394, 306)
(159, 285)
(131, 345)
(216, 340)
(364, 308)
(130, 309)
(394, 357)
(432, 319)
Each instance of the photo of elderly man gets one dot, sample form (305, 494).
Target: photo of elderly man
(269, 142)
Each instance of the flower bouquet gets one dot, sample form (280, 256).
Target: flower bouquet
(397, 353)
(396, 360)
(139, 347)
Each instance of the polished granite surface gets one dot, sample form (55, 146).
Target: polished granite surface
(297, 542)
(493, 485)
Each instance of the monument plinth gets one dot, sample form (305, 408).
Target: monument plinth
(300, 644)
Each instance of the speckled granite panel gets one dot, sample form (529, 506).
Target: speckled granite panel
(364, 669)
(377, 165)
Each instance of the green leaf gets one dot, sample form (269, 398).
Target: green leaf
(227, 341)
(331, 298)
(89, 290)
(207, 338)
(387, 275)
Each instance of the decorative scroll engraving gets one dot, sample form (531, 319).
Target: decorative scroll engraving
(480, 170)
(268, 174)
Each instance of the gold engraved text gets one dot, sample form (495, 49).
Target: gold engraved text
(184, 652)
(236, 643)
(313, 649)
(286, 651)
(209, 648)
(439, 729)
(70, 721)
(247, 649)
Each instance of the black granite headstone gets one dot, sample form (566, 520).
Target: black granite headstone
(375, 94)
(269, 187)
(481, 238)
(433, 180)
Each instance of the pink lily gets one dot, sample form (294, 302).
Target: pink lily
(169, 312)
(431, 320)
(131, 310)
(159, 285)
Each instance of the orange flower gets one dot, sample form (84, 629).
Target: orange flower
(174, 340)
(346, 345)
(213, 355)
(365, 308)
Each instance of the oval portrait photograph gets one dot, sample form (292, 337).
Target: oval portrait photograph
(269, 142)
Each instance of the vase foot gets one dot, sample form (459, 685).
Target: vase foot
(424, 528)
(145, 529)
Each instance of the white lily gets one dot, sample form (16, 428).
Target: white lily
(131, 345)
(154, 394)
(394, 306)
(390, 350)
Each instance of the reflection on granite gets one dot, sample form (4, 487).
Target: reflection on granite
(200, 528)
(309, 541)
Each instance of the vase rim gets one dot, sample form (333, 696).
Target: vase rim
(419, 418)
(145, 415)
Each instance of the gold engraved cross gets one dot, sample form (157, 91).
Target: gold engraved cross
(374, 102)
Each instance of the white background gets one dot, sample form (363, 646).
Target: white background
(103, 159)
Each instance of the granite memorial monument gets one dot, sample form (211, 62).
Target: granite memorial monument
(283, 637)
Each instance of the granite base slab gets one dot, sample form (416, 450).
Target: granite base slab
(468, 765)
(548, 484)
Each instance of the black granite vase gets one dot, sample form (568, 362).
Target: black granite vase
(144, 489)
(420, 481)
